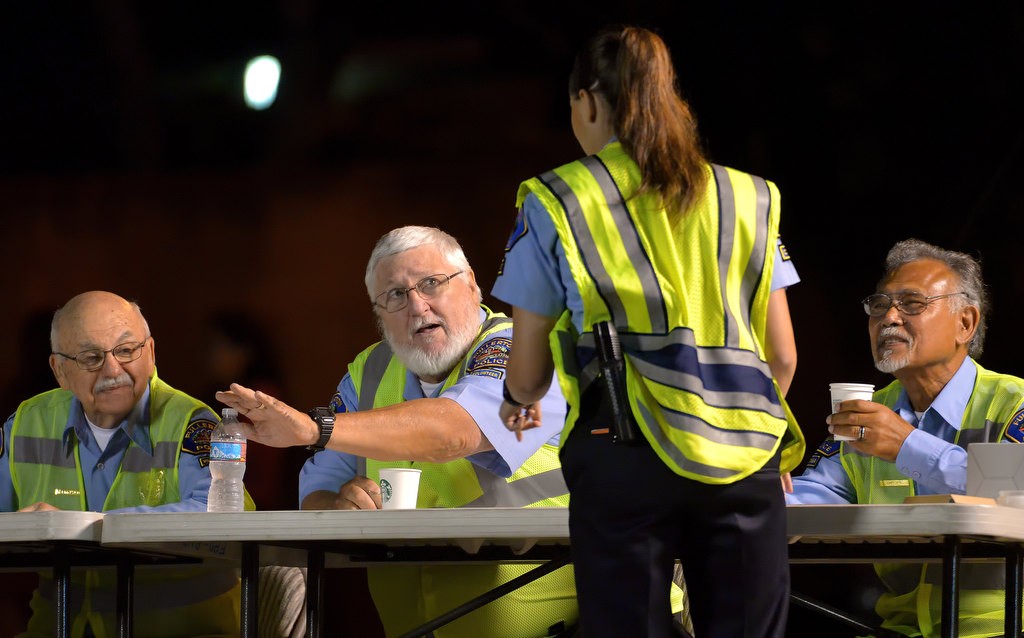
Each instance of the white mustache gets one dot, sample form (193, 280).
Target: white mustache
(110, 383)
(421, 322)
(893, 331)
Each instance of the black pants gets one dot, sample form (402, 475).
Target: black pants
(630, 517)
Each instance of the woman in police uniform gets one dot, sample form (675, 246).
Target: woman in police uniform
(681, 259)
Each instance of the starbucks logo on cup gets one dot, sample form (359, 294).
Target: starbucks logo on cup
(385, 491)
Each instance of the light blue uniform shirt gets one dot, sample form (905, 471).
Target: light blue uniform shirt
(479, 394)
(928, 456)
(100, 468)
(535, 275)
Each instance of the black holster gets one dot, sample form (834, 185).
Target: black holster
(613, 379)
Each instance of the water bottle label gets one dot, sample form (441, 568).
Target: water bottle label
(227, 451)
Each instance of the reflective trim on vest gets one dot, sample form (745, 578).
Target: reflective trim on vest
(692, 424)
(990, 433)
(723, 377)
(631, 242)
(586, 242)
(373, 373)
(165, 455)
(43, 451)
(500, 492)
(727, 230)
(155, 588)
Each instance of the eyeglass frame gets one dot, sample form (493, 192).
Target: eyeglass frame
(136, 354)
(898, 303)
(441, 287)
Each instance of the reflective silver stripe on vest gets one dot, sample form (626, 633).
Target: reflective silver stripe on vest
(151, 592)
(907, 577)
(634, 248)
(765, 400)
(373, 373)
(726, 235)
(755, 266)
(687, 465)
(991, 432)
(31, 449)
(165, 454)
(700, 427)
(500, 492)
(586, 244)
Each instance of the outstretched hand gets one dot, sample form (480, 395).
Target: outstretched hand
(271, 422)
(519, 419)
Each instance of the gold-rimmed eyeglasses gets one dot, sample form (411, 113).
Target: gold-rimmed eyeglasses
(90, 360)
(397, 298)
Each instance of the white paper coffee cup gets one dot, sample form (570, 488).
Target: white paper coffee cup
(399, 487)
(845, 391)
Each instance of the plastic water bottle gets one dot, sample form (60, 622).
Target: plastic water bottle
(227, 465)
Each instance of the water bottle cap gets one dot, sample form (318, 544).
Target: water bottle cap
(229, 413)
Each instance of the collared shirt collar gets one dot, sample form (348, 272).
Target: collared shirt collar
(135, 425)
(951, 403)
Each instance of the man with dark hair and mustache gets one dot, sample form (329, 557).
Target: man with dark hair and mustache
(127, 442)
(926, 321)
(427, 397)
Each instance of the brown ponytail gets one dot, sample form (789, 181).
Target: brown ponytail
(631, 68)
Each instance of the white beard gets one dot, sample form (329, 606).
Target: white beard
(886, 362)
(436, 364)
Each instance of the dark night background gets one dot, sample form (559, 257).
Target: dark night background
(129, 162)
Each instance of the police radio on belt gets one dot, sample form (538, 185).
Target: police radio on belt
(613, 376)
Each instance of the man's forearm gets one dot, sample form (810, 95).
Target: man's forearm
(431, 430)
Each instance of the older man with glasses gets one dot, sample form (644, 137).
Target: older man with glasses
(427, 397)
(116, 438)
(926, 322)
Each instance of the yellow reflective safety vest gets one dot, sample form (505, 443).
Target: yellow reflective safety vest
(913, 604)
(410, 596)
(689, 303)
(168, 601)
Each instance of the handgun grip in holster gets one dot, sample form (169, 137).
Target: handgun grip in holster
(613, 375)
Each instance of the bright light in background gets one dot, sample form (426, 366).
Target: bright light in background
(262, 75)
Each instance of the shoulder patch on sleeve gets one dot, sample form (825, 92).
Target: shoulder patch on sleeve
(490, 358)
(829, 447)
(337, 405)
(783, 252)
(1015, 428)
(518, 233)
(197, 440)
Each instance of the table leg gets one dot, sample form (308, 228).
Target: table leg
(951, 554)
(62, 581)
(1014, 589)
(250, 589)
(314, 591)
(125, 595)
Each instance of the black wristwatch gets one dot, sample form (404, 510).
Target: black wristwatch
(505, 394)
(324, 419)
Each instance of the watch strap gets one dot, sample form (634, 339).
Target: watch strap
(324, 419)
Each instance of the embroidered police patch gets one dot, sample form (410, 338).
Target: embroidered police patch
(1015, 428)
(197, 440)
(829, 447)
(490, 358)
(337, 405)
(518, 233)
(783, 252)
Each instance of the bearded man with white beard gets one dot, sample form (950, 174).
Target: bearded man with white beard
(116, 438)
(926, 322)
(427, 397)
